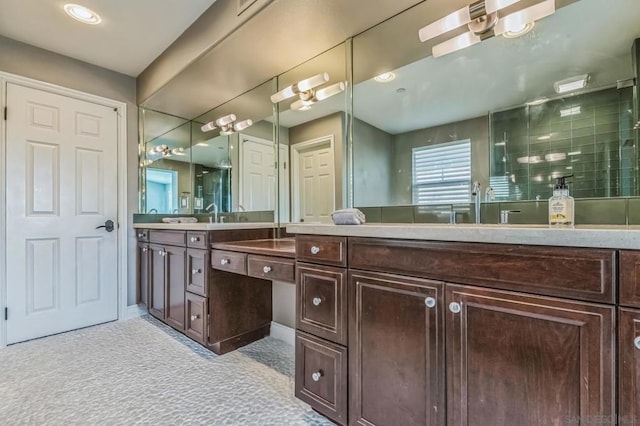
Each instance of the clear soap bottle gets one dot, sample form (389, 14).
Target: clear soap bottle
(561, 205)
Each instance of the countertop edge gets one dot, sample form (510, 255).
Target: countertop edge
(204, 226)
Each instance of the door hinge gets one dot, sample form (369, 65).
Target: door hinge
(5, 113)
(6, 314)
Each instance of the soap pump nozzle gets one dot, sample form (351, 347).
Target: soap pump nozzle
(561, 182)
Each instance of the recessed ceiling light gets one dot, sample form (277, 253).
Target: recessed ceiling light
(82, 14)
(571, 84)
(520, 31)
(401, 90)
(567, 112)
(538, 101)
(385, 77)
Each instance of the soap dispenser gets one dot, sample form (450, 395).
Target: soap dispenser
(561, 205)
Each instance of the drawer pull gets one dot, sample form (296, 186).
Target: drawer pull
(316, 376)
(315, 250)
(141, 235)
(224, 261)
(144, 249)
(195, 271)
(430, 302)
(194, 317)
(316, 301)
(637, 342)
(195, 239)
(455, 307)
(266, 269)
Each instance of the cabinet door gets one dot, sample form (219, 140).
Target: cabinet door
(629, 366)
(175, 286)
(157, 273)
(514, 359)
(196, 317)
(396, 350)
(144, 262)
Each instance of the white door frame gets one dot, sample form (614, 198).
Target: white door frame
(296, 149)
(122, 220)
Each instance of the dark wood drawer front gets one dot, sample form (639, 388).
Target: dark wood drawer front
(578, 273)
(271, 268)
(322, 249)
(197, 271)
(196, 317)
(197, 240)
(630, 278)
(173, 238)
(321, 293)
(629, 366)
(229, 261)
(321, 376)
(142, 235)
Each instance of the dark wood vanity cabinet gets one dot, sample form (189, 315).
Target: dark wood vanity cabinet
(396, 350)
(143, 258)
(519, 359)
(167, 284)
(629, 366)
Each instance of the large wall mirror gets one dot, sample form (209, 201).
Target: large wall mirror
(512, 112)
(312, 100)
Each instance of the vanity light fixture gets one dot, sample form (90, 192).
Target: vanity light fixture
(555, 156)
(571, 84)
(82, 14)
(308, 92)
(483, 21)
(227, 125)
(519, 32)
(305, 103)
(165, 151)
(385, 77)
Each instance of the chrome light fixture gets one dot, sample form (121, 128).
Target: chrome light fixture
(483, 21)
(307, 92)
(227, 125)
(571, 84)
(165, 151)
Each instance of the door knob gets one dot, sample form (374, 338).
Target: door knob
(430, 302)
(224, 261)
(455, 307)
(195, 271)
(316, 376)
(316, 301)
(195, 239)
(108, 225)
(315, 250)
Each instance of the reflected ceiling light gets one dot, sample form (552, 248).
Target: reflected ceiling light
(571, 84)
(227, 125)
(483, 21)
(82, 14)
(544, 137)
(567, 112)
(202, 144)
(308, 99)
(538, 101)
(300, 87)
(571, 154)
(530, 160)
(503, 143)
(177, 151)
(556, 156)
(165, 151)
(385, 77)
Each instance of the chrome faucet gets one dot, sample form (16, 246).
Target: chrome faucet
(476, 191)
(152, 211)
(213, 215)
(241, 208)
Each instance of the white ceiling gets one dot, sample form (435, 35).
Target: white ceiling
(132, 33)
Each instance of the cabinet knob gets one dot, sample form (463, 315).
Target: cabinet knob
(637, 342)
(144, 249)
(316, 301)
(455, 307)
(195, 239)
(315, 250)
(316, 376)
(195, 271)
(224, 261)
(430, 302)
(266, 269)
(140, 235)
(194, 317)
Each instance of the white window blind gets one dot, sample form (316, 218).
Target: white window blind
(442, 173)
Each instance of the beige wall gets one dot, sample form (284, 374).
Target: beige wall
(38, 64)
(373, 165)
(476, 129)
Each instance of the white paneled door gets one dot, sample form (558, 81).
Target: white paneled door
(61, 179)
(314, 196)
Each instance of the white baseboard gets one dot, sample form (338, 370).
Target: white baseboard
(135, 311)
(284, 333)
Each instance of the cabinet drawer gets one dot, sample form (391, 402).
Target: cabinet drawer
(630, 278)
(229, 261)
(197, 271)
(321, 293)
(197, 240)
(142, 235)
(321, 376)
(174, 238)
(271, 268)
(322, 249)
(196, 317)
(576, 273)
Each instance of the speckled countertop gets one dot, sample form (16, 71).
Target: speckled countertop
(617, 237)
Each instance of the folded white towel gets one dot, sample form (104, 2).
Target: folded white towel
(180, 219)
(348, 217)
(171, 220)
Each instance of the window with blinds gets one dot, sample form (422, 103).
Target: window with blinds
(442, 173)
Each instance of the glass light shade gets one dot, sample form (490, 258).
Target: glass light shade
(285, 93)
(571, 84)
(301, 105)
(516, 21)
(242, 125)
(456, 43)
(208, 127)
(328, 91)
(311, 82)
(222, 121)
(443, 25)
(495, 5)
